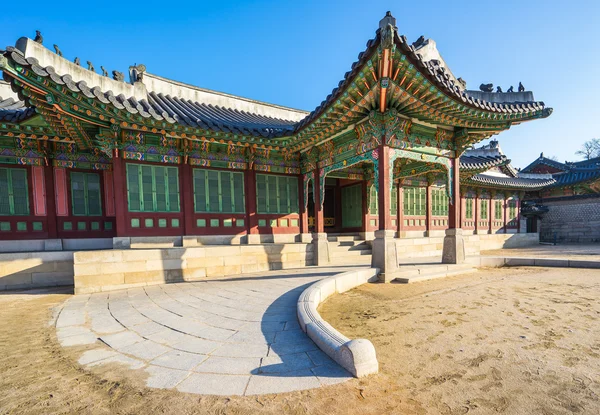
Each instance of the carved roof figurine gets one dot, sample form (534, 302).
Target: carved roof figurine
(486, 87)
(118, 76)
(462, 82)
(38, 37)
(77, 61)
(511, 89)
(136, 72)
(419, 42)
(386, 27)
(57, 50)
(498, 90)
(104, 72)
(521, 87)
(91, 66)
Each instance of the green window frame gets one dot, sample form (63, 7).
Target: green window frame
(276, 194)
(484, 209)
(415, 199)
(439, 202)
(152, 188)
(217, 191)
(512, 209)
(469, 208)
(374, 202)
(498, 209)
(14, 192)
(86, 198)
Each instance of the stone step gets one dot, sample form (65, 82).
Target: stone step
(343, 238)
(351, 260)
(349, 246)
(411, 277)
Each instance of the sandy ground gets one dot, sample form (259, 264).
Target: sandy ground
(515, 341)
(589, 252)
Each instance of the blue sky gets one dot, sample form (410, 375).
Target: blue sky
(295, 53)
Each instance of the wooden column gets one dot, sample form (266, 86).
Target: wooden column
(303, 204)
(319, 219)
(365, 207)
(400, 208)
(338, 206)
(463, 203)
(505, 212)
(50, 201)
(476, 209)
(250, 189)
(492, 213)
(187, 195)
(384, 193)
(120, 188)
(429, 208)
(518, 212)
(454, 205)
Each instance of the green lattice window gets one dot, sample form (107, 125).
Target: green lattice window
(484, 209)
(14, 196)
(439, 202)
(276, 194)
(374, 202)
(512, 209)
(152, 188)
(218, 191)
(497, 209)
(86, 199)
(469, 208)
(415, 201)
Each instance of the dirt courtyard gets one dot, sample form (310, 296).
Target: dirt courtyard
(514, 341)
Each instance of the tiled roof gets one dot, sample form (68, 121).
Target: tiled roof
(14, 111)
(481, 162)
(511, 182)
(165, 107)
(546, 161)
(576, 175)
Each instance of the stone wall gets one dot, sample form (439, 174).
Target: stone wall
(575, 220)
(118, 269)
(35, 270)
(474, 244)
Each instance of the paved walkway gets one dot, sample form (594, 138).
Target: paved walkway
(237, 336)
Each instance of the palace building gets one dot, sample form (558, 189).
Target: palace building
(89, 160)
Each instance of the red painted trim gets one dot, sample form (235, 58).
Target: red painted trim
(383, 195)
(454, 205)
(50, 201)
(250, 189)
(120, 186)
(303, 210)
(186, 190)
(60, 184)
(39, 191)
(109, 192)
(319, 218)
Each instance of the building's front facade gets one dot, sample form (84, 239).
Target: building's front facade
(85, 157)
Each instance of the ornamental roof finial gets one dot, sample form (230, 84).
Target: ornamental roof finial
(388, 19)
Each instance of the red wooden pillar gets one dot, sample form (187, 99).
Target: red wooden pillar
(454, 205)
(505, 215)
(400, 208)
(428, 210)
(476, 209)
(492, 213)
(338, 206)
(51, 223)
(120, 188)
(187, 193)
(384, 193)
(319, 219)
(250, 188)
(518, 212)
(463, 204)
(303, 205)
(365, 206)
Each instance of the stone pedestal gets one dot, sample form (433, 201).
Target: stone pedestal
(121, 242)
(306, 238)
(385, 254)
(454, 247)
(321, 248)
(254, 239)
(53, 245)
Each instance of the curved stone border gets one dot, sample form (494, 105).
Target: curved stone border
(356, 356)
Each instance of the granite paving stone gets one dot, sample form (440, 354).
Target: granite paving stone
(231, 336)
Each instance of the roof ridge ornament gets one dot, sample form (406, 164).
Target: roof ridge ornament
(387, 28)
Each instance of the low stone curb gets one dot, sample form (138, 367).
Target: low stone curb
(493, 261)
(356, 356)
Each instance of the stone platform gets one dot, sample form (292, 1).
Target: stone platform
(234, 336)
